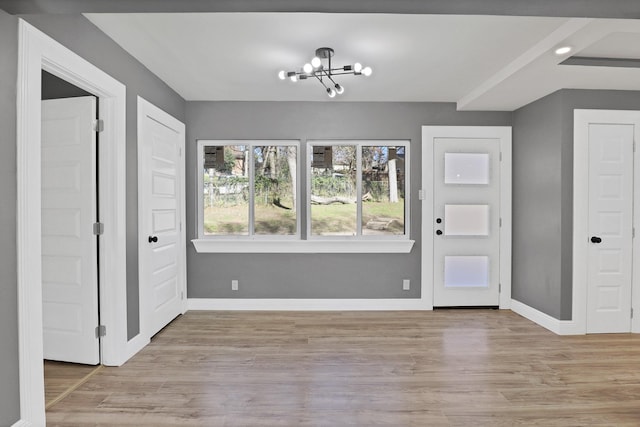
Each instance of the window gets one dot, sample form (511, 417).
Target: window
(248, 188)
(357, 188)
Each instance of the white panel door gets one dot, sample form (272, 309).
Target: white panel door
(163, 246)
(610, 228)
(466, 222)
(69, 247)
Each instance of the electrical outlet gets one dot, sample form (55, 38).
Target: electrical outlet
(234, 285)
(406, 284)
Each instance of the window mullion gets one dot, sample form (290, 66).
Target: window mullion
(251, 170)
(359, 190)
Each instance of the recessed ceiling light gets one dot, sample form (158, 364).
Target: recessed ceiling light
(563, 50)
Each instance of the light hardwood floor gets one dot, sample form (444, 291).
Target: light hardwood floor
(441, 368)
(61, 377)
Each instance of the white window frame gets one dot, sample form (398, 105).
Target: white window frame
(359, 143)
(251, 236)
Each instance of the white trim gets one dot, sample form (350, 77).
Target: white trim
(303, 246)
(311, 304)
(582, 119)
(536, 316)
(137, 343)
(37, 52)
(22, 423)
(503, 133)
(147, 109)
(560, 327)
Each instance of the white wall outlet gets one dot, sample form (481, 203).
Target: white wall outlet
(234, 285)
(406, 284)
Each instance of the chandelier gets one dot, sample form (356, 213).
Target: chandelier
(320, 68)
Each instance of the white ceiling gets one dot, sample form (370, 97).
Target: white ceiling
(479, 62)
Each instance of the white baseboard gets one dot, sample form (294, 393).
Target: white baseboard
(22, 423)
(560, 327)
(283, 304)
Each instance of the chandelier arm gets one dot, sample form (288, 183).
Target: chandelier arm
(320, 80)
(332, 81)
(341, 72)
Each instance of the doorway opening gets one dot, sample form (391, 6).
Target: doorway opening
(70, 243)
(38, 52)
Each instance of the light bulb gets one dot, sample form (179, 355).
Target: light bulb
(316, 62)
(563, 50)
(357, 67)
(339, 89)
(294, 78)
(282, 75)
(308, 68)
(331, 92)
(367, 71)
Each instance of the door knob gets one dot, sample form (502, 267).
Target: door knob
(153, 239)
(439, 220)
(596, 239)
(438, 232)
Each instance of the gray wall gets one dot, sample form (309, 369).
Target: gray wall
(9, 367)
(537, 204)
(313, 275)
(543, 194)
(82, 37)
(627, 9)
(53, 87)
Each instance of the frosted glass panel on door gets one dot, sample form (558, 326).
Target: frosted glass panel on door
(466, 220)
(466, 271)
(466, 168)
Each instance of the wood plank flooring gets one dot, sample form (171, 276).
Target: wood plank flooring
(60, 377)
(440, 368)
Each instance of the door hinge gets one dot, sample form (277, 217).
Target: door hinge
(632, 312)
(501, 156)
(101, 331)
(633, 232)
(181, 294)
(634, 145)
(98, 228)
(499, 287)
(98, 125)
(421, 195)
(500, 222)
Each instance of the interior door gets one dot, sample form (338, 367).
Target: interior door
(69, 247)
(610, 227)
(163, 249)
(466, 222)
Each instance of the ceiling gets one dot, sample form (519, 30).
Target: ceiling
(478, 62)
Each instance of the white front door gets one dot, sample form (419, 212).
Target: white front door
(161, 174)
(69, 247)
(610, 227)
(466, 227)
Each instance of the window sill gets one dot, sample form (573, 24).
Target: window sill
(303, 246)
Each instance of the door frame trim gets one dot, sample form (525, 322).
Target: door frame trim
(580, 261)
(503, 133)
(147, 109)
(38, 52)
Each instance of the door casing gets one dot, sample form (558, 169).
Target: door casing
(429, 134)
(37, 52)
(582, 119)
